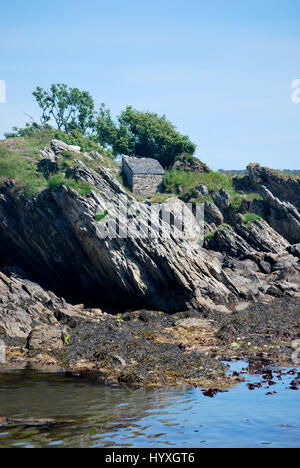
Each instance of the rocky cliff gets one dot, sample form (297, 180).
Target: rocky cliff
(55, 254)
(58, 238)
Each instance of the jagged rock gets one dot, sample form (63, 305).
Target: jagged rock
(282, 216)
(246, 238)
(294, 250)
(227, 241)
(283, 187)
(209, 306)
(59, 146)
(49, 155)
(261, 236)
(281, 199)
(189, 164)
(31, 315)
(281, 261)
(212, 214)
(222, 199)
(279, 273)
(242, 306)
(49, 162)
(203, 190)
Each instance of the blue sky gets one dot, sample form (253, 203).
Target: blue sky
(220, 70)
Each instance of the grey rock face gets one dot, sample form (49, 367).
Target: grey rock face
(280, 206)
(58, 239)
(285, 188)
(282, 216)
(213, 214)
(35, 318)
(222, 199)
(246, 238)
(49, 155)
(227, 241)
(279, 275)
(261, 236)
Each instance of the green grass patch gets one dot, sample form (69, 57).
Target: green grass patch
(160, 198)
(181, 182)
(100, 217)
(210, 235)
(250, 218)
(59, 180)
(22, 170)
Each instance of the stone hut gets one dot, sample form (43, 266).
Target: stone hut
(143, 176)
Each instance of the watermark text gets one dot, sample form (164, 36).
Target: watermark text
(296, 92)
(2, 92)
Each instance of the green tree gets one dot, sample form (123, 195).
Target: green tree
(70, 108)
(105, 127)
(142, 134)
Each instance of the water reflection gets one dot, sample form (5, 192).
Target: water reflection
(117, 417)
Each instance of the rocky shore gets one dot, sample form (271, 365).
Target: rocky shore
(158, 310)
(142, 348)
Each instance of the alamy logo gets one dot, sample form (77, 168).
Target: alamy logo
(126, 219)
(296, 93)
(2, 92)
(2, 352)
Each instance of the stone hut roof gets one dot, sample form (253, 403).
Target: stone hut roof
(144, 166)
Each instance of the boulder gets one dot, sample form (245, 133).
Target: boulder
(59, 146)
(212, 214)
(189, 163)
(45, 338)
(222, 199)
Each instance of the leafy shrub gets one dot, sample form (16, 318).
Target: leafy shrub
(75, 138)
(142, 134)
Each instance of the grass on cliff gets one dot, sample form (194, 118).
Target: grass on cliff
(224, 227)
(23, 170)
(250, 218)
(58, 180)
(185, 184)
(19, 158)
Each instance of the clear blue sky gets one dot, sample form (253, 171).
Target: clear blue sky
(220, 70)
